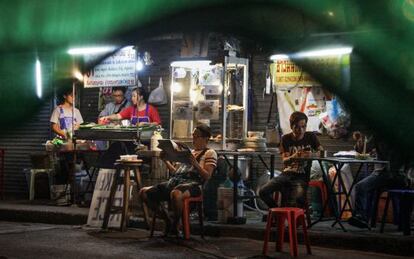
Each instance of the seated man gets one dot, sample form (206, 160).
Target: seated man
(379, 179)
(186, 180)
(292, 181)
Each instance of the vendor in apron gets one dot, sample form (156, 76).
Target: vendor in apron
(65, 117)
(138, 113)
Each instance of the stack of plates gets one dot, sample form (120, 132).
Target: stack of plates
(258, 144)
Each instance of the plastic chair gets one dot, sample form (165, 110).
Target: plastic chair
(406, 200)
(186, 216)
(293, 217)
(324, 193)
(40, 164)
(33, 173)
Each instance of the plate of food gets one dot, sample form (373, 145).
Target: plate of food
(87, 125)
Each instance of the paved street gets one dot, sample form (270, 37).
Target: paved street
(29, 240)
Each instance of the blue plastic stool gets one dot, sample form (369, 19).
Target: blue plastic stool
(406, 200)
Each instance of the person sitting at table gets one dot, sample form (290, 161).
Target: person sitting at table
(186, 180)
(292, 181)
(118, 104)
(380, 178)
(65, 117)
(139, 112)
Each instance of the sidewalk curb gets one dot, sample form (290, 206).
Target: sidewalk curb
(395, 245)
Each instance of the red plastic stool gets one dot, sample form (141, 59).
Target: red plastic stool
(324, 193)
(292, 215)
(186, 216)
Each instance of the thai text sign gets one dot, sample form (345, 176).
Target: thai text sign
(116, 70)
(100, 198)
(285, 73)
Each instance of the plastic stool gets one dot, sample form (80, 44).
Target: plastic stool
(324, 193)
(33, 173)
(292, 215)
(186, 216)
(406, 200)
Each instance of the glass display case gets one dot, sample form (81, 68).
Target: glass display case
(215, 94)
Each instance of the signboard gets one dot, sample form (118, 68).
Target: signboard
(100, 198)
(116, 70)
(286, 74)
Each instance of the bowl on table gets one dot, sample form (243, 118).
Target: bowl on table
(255, 134)
(128, 157)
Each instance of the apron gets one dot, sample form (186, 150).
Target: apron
(65, 122)
(136, 119)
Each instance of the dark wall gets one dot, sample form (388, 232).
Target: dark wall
(28, 137)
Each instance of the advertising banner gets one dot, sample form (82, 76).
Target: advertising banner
(116, 70)
(286, 74)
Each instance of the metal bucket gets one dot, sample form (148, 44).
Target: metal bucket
(243, 163)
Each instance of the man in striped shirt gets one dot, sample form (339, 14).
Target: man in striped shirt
(186, 179)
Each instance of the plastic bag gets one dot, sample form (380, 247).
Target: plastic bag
(336, 120)
(158, 95)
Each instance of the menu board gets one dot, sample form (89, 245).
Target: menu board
(116, 70)
(100, 198)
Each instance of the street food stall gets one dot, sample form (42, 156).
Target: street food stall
(217, 95)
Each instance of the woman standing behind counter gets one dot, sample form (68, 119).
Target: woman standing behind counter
(138, 113)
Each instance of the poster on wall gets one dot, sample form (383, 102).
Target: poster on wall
(309, 100)
(208, 110)
(116, 70)
(182, 110)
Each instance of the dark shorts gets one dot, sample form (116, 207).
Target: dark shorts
(162, 191)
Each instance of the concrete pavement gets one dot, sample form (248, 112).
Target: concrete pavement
(33, 240)
(322, 234)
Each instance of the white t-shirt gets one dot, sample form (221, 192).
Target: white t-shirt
(66, 113)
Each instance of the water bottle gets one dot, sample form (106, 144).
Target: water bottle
(154, 141)
(228, 183)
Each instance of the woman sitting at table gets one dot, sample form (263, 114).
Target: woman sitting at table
(292, 181)
(139, 112)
